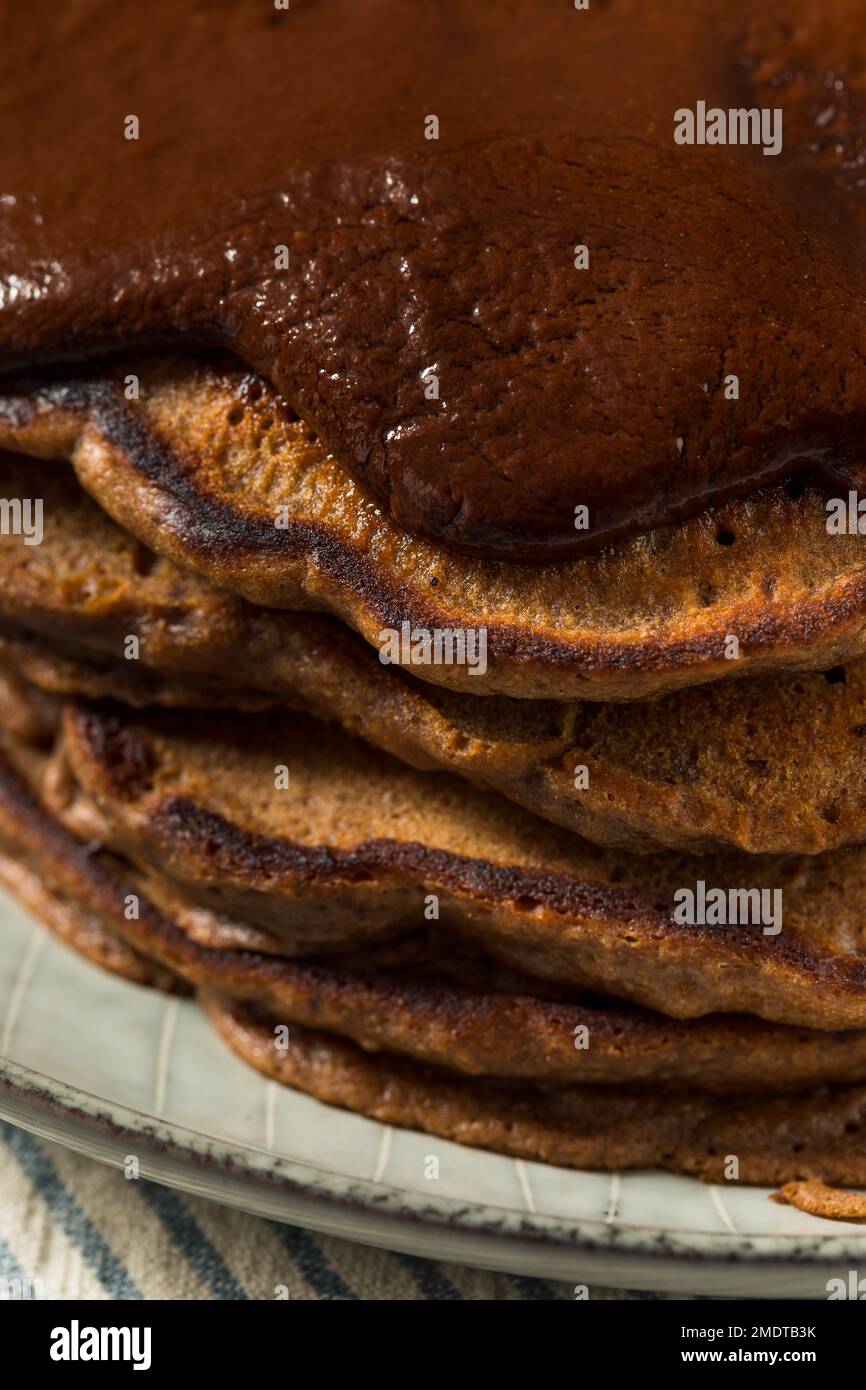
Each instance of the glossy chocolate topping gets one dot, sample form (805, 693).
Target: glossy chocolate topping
(418, 266)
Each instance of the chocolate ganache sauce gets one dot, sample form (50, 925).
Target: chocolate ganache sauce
(411, 258)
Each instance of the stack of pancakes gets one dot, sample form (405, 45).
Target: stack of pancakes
(439, 896)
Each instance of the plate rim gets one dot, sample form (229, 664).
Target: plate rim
(37, 1102)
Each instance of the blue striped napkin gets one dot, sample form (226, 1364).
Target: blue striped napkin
(71, 1228)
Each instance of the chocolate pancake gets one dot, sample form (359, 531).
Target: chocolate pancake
(771, 764)
(71, 921)
(425, 996)
(208, 469)
(393, 1037)
(45, 665)
(359, 849)
(46, 870)
(816, 1136)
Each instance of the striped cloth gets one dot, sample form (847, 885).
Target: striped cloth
(80, 1230)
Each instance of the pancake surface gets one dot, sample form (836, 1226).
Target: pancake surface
(392, 1048)
(208, 470)
(355, 845)
(732, 764)
(817, 1135)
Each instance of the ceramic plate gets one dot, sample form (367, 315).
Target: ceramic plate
(114, 1070)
